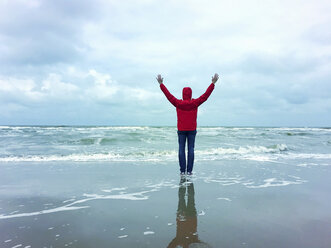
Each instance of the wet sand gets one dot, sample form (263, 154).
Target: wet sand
(224, 204)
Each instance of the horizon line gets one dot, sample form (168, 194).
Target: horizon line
(203, 126)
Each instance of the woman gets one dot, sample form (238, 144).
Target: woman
(187, 109)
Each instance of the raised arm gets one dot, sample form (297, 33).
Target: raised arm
(166, 92)
(209, 90)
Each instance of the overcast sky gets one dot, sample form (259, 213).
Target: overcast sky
(94, 62)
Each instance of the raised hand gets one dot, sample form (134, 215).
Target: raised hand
(214, 78)
(159, 79)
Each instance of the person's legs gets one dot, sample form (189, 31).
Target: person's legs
(181, 150)
(190, 148)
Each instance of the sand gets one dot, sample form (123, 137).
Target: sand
(224, 204)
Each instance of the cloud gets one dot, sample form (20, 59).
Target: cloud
(43, 32)
(52, 86)
(103, 89)
(98, 60)
(14, 90)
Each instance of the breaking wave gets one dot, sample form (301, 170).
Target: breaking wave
(142, 143)
(245, 150)
(257, 153)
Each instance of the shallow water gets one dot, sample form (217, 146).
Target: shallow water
(271, 193)
(236, 204)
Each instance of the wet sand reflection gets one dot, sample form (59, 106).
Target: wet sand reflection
(187, 221)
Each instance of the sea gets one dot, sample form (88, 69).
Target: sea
(295, 146)
(120, 186)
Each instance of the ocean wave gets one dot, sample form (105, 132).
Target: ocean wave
(274, 153)
(150, 155)
(79, 157)
(71, 157)
(116, 128)
(4, 127)
(244, 150)
(132, 137)
(86, 141)
(98, 141)
(298, 134)
(302, 129)
(308, 156)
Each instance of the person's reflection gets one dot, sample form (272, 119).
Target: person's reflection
(186, 233)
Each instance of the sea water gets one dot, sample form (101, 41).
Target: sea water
(112, 186)
(298, 146)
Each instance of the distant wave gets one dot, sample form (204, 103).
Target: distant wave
(131, 128)
(139, 128)
(298, 134)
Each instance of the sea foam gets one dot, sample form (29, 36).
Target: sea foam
(213, 154)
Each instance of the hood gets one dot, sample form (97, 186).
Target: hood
(187, 93)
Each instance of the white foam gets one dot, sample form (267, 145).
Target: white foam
(148, 232)
(225, 181)
(162, 184)
(295, 177)
(202, 213)
(224, 198)
(288, 156)
(54, 210)
(260, 158)
(123, 236)
(5, 127)
(151, 155)
(302, 165)
(8, 240)
(16, 246)
(308, 156)
(273, 182)
(262, 154)
(242, 150)
(129, 196)
(113, 189)
(72, 157)
(302, 129)
(137, 196)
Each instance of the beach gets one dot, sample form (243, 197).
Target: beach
(120, 187)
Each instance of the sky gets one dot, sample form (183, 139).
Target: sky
(94, 62)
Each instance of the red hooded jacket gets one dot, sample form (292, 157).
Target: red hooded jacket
(187, 109)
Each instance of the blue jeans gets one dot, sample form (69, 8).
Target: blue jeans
(182, 136)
